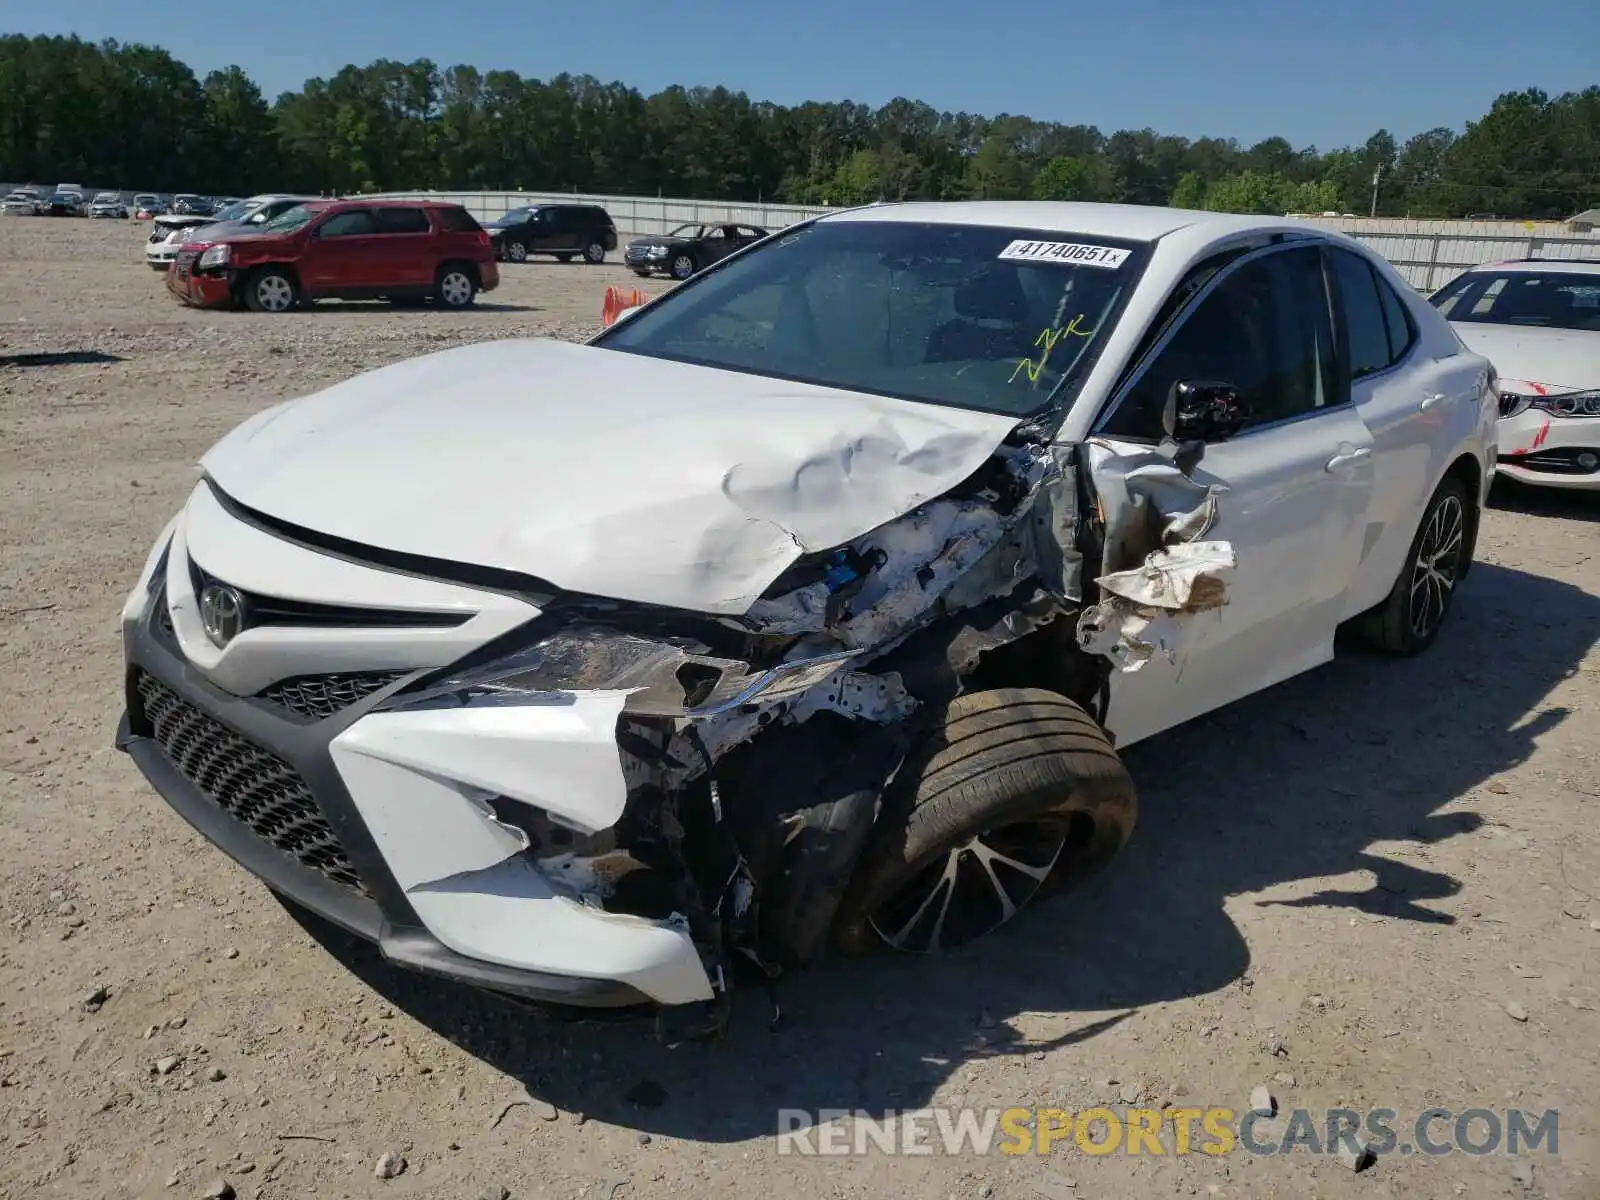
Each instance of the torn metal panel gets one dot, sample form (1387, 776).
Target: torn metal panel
(1146, 501)
(1158, 572)
(1187, 577)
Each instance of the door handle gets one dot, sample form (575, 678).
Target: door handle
(1429, 401)
(1340, 461)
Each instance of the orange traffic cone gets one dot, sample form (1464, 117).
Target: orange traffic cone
(617, 300)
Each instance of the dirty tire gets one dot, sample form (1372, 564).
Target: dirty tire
(1394, 626)
(1012, 790)
(271, 290)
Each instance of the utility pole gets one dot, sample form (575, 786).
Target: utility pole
(1376, 175)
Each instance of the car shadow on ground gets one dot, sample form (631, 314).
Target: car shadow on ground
(1510, 496)
(1295, 783)
(64, 358)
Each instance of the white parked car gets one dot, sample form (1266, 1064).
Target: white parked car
(823, 586)
(1538, 321)
(109, 204)
(22, 203)
(169, 233)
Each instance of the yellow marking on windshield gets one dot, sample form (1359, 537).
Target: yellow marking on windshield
(1048, 340)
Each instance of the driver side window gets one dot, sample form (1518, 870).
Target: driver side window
(1266, 329)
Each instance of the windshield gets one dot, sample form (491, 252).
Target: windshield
(289, 221)
(1548, 299)
(237, 211)
(1001, 320)
(107, 198)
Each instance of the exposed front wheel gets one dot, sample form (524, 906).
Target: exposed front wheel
(456, 288)
(271, 291)
(1410, 617)
(595, 252)
(1012, 790)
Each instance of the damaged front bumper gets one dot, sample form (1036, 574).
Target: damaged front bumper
(365, 819)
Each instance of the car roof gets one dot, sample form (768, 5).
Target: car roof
(1130, 222)
(1573, 266)
(269, 197)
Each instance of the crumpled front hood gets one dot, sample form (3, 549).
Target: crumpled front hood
(1564, 359)
(597, 470)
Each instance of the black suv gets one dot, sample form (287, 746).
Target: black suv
(564, 230)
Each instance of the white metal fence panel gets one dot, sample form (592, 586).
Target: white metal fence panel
(634, 215)
(1427, 253)
(1431, 253)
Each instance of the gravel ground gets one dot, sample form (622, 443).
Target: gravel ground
(1385, 871)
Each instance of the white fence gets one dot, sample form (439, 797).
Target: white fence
(1428, 253)
(1431, 253)
(635, 215)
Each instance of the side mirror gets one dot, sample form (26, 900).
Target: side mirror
(1203, 410)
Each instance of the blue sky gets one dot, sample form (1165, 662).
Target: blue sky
(1318, 72)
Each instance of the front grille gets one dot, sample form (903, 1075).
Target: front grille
(249, 784)
(319, 697)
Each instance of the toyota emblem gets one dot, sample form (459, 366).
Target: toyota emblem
(221, 612)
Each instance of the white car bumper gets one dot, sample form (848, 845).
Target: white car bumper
(161, 253)
(280, 746)
(1539, 448)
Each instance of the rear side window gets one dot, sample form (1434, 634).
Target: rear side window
(457, 220)
(400, 220)
(1365, 326)
(1402, 332)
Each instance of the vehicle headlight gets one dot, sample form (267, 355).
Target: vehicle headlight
(656, 252)
(663, 678)
(1571, 404)
(216, 256)
(1586, 403)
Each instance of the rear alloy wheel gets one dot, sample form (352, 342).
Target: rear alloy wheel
(516, 252)
(457, 289)
(682, 266)
(1014, 790)
(1407, 622)
(595, 252)
(271, 291)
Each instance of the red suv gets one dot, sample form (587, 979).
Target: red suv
(341, 249)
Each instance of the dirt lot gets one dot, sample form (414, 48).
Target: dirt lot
(1387, 871)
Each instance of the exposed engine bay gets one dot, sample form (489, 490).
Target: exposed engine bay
(758, 750)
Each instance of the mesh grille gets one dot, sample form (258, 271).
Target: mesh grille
(249, 784)
(321, 696)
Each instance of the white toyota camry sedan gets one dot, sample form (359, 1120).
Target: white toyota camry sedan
(1538, 321)
(804, 608)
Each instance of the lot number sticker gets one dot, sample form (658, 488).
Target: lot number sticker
(1071, 253)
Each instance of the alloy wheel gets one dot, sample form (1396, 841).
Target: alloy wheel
(275, 293)
(517, 252)
(456, 289)
(973, 887)
(1438, 566)
(594, 252)
(682, 267)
